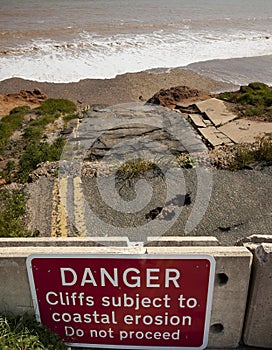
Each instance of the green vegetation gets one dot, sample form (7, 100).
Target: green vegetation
(12, 211)
(251, 153)
(69, 117)
(136, 167)
(186, 162)
(36, 153)
(49, 111)
(255, 100)
(21, 155)
(35, 129)
(24, 333)
(8, 171)
(10, 123)
(31, 149)
(57, 106)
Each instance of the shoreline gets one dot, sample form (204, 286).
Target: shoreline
(211, 76)
(129, 87)
(236, 71)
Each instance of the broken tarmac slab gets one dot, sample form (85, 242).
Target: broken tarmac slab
(198, 120)
(210, 135)
(216, 110)
(245, 130)
(218, 126)
(212, 113)
(214, 137)
(149, 123)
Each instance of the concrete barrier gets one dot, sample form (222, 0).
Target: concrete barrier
(152, 241)
(233, 266)
(258, 323)
(15, 297)
(181, 241)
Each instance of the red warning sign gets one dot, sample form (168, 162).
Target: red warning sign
(124, 300)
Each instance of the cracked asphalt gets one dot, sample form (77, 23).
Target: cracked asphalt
(239, 206)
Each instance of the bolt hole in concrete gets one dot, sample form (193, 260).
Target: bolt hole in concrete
(221, 279)
(217, 328)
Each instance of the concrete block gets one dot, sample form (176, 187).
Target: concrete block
(181, 241)
(197, 120)
(216, 110)
(258, 324)
(65, 242)
(254, 239)
(154, 241)
(211, 135)
(233, 266)
(15, 296)
(245, 130)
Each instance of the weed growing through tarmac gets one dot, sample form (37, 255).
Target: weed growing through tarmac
(136, 167)
(186, 162)
(20, 157)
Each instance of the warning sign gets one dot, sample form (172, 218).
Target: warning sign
(128, 301)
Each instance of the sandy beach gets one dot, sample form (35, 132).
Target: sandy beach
(209, 76)
(124, 88)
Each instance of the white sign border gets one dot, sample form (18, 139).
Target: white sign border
(130, 256)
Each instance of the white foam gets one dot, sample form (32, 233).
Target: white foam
(95, 56)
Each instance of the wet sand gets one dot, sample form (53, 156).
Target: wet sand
(239, 71)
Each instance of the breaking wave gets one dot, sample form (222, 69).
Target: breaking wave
(97, 56)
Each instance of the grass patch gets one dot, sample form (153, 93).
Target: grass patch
(24, 333)
(10, 123)
(49, 111)
(32, 149)
(132, 171)
(261, 151)
(36, 151)
(255, 100)
(57, 106)
(8, 172)
(12, 211)
(39, 152)
(69, 117)
(186, 162)
(36, 128)
(136, 167)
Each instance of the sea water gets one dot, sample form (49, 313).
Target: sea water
(69, 40)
